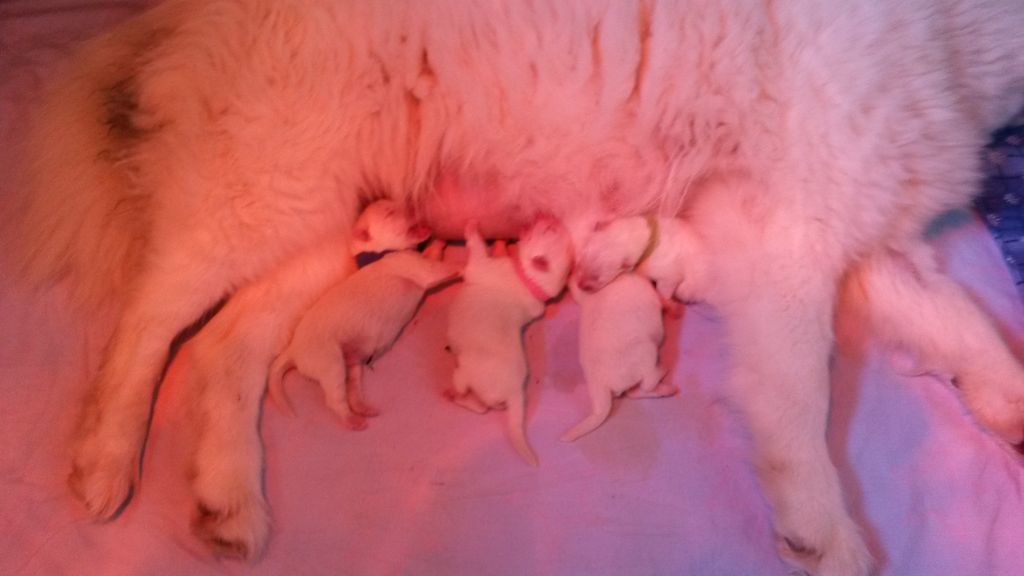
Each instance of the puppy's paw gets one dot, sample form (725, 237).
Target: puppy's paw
(236, 526)
(469, 401)
(103, 475)
(661, 390)
(361, 408)
(358, 406)
(354, 422)
(348, 416)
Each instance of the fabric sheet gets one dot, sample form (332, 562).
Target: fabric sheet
(663, 487)
(1001, 201)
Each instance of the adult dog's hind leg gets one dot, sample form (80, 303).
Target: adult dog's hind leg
(915, 306)
(173, 292)
(231, 357)
(230, 515)
(780, 332)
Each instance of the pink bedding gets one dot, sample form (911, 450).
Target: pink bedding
(662, 488)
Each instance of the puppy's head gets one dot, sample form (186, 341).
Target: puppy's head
(385, 225)
(545, 252)
(611, 249)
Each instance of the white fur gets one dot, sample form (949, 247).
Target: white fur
(914, 308)
(230, 512)
(194, 151)
(487, 317)
(620, 332)
(676, 264)
(358, 319)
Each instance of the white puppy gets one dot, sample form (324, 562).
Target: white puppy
(359, 318)
(501, 295)
(666, 250)
(620, 332)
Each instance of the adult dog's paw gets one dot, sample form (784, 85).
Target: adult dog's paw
(1003, 416)
(237, 527)
(996, 398)
(837, 552)
(103, 476)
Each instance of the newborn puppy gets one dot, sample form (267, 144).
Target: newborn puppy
(499, 297)
(666, 250)
(620, 332)
(359, 318)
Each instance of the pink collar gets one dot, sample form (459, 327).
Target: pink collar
(535, 290)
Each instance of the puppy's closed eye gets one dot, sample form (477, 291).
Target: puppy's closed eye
(540, 263)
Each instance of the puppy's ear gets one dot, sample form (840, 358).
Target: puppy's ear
(540, 263)
(547, 222)
(361, 234)
(419, 233)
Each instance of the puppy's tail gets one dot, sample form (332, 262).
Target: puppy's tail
(517, 429)
(275, 383)
(474, 242)
(79, 214)
(602, 401)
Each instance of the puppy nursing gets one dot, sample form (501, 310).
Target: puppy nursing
(360, 318)
(666, 250)
(621, 324)
(499, 297)
(621, 330)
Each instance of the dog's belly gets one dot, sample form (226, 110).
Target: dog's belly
(456, 200)
(504, 205)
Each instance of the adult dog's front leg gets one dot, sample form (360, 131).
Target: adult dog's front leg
(231, 357)
(780, 332)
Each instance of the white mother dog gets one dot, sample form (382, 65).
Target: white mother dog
(175, 164)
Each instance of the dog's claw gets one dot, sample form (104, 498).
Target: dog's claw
(235, 531)
(103, 482)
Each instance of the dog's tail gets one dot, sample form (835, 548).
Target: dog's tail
(474, 242)
(517, 429)
(602, 401)
(275, 382)
(79, 215)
